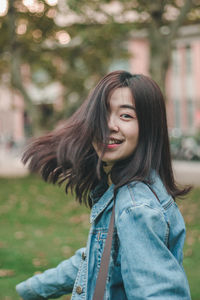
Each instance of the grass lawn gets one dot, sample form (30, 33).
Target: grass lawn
(40, 226)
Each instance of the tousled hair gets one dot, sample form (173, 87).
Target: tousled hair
(67, 155)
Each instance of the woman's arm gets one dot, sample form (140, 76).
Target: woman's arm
(149, 269)
(53, 283)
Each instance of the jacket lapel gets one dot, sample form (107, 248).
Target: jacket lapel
(102, 203)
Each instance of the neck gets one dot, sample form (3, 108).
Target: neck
(107, 169)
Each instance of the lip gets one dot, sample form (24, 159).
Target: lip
(112, 146)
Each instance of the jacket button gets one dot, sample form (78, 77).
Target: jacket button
(79, 289)
(83, 255)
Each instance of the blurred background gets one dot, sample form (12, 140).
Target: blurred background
(52, 53)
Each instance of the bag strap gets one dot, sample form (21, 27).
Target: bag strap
(103, 271)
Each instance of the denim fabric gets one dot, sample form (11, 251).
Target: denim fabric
(146, 256)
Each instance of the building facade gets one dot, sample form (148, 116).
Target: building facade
(182, 88)
(182, 81)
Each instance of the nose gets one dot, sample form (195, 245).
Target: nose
(112, 124)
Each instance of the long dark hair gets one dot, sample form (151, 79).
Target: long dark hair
(67, 154)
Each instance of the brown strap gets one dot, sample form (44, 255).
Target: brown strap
(103, 271)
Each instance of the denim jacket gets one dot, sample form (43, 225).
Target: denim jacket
(146, 256)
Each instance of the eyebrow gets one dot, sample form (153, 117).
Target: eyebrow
(127, 106)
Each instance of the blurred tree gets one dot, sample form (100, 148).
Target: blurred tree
(75, 43)
(161, 19)
(75, 54)
(24, 29)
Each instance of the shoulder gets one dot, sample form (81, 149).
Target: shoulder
(138, 208)
(140, 194)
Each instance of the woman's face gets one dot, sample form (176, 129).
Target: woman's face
(123, 126)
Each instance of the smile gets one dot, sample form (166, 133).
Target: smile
(113, 142)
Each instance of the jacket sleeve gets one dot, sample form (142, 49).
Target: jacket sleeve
(54, 282)
(149, 270)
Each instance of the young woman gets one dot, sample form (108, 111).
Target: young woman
(115, 149)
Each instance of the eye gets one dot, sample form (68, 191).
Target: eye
(126, 116)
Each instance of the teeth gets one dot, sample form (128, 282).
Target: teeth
(111, 142)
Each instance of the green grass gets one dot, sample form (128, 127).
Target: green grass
(190, 208)
(40, 226)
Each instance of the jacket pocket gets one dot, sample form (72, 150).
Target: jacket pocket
(98, 239)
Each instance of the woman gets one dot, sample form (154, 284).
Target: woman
(115, 148)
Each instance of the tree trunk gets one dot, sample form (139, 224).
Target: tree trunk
(16, 80)
(160, 57)
(161, 37)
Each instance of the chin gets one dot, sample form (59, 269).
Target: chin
(111, 161)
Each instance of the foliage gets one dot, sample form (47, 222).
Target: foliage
(76, 42)
(185, 147)
(75, 55)
(40, 227)
(161, 20)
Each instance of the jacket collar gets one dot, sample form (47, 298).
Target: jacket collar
(102, 203)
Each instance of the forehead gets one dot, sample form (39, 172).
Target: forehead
(120, 96)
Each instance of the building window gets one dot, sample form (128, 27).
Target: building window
(188, 60)
(177, 114)
(175, 62)
(190, 113)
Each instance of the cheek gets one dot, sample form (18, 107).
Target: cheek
(133, 133)
(133, 140)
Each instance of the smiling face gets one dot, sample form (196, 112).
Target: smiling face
(123, 126)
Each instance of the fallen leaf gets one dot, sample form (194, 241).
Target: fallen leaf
(37, 262)
(37, 272)
(66, 250)
(188, 252)
(6, 273)
(79, 219)
(19, 235)
(2, 244)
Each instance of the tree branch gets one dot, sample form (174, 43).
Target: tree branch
(180, 19)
